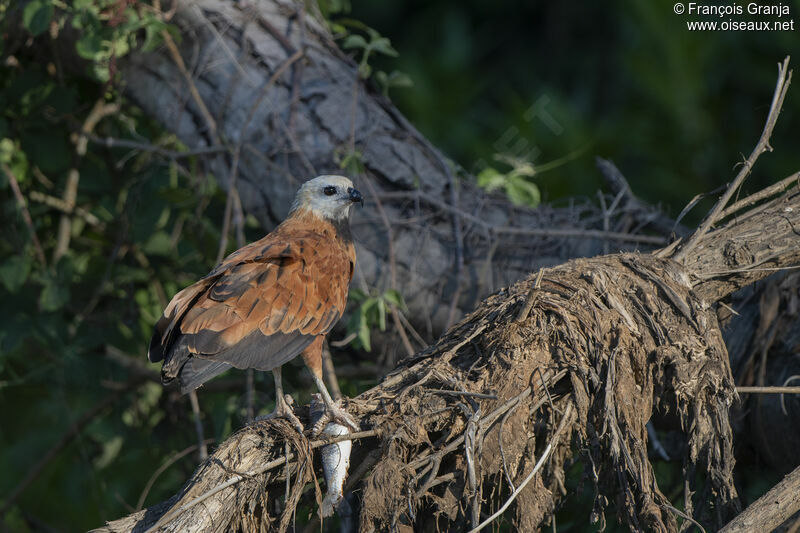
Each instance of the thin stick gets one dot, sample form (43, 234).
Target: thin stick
(176, 57)
(683, 515)
(534, 232)
(160, 470)
(61, 205)
(111, 142)
(784, 79)
(329, 373)
(530, 300)
(768, 390)
(392, 267)
(761, 195)
(464, 393)
(198, 426)
(98, 112)
(26, 215)
(250, 392)
(567, 417)
(581, 233)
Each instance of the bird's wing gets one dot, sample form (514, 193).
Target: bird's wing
(258, 309)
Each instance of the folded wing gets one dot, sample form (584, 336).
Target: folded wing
(258, 309)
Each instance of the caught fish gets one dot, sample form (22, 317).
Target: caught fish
(335, 457)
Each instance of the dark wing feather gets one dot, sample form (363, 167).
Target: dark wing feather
(258, 309)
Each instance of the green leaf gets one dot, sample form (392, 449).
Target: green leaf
(14, 272)
(357, 295)
(363, 333)
(400, 79)
(384, 46)
(395, 298)
(7, 150)
(36, 16)
(354, 41)
(54, 295)
(111, 449)
(159, 243)
(89, 46)
(352, 163)
(522, 192)
(381, 306)
(491, 179)
(364, 70)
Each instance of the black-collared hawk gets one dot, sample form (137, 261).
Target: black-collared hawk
(269, 301)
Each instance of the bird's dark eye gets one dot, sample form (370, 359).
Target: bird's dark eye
(330, 190)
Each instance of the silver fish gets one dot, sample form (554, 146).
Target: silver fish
(335, 458)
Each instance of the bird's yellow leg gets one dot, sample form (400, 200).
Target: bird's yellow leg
(333, 413)
(282, 407)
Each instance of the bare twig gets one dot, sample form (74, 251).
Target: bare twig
(344, 342)
(329, 374)
(533, 232)
(768, 390)
(250, 395)
(111, 142)
(233, 203)
(392, 266)
(198, 426)
(160, 470)
(530, 300)
(464, 393)
(784, 79)
(567, 418)
(683, 515)
(581, 233)
(100, 110)
(410, 328)
(26, 215)
(61, 205)
(198, 100)
(762, 195)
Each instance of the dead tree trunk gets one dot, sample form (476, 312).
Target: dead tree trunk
(266, 84)
(568, 364)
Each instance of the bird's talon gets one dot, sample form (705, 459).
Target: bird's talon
(283, 412)
(334, 414)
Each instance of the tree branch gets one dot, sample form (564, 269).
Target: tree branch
(770, 510)
(782, 85)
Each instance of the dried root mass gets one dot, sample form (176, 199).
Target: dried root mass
(621, 338)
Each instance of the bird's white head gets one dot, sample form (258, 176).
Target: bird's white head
(327, 197)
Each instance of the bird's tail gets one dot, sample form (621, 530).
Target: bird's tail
(197, 371)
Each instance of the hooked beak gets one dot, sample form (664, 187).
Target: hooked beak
(355, 196)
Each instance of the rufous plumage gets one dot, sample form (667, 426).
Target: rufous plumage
(269, 301)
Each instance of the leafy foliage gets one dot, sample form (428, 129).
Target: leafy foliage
(542, 80)
(106, 29)
(140, 229)
(367, 44)
(515, 183)
(370, 314)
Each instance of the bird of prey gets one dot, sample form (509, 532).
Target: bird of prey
(269, 301)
